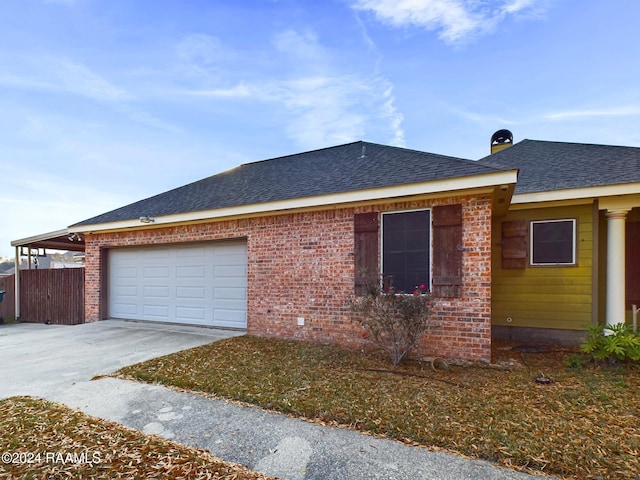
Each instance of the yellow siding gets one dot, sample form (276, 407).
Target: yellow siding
(549, 296)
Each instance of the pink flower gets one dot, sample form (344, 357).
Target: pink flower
(416, 292)
(364, 335)
(422, 286)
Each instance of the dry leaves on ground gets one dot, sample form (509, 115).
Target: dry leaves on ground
(585, 424)
(40, 439)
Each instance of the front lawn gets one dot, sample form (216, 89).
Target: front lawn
(40, 439)
(585, 424)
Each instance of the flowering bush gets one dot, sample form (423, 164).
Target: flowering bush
(392, 320)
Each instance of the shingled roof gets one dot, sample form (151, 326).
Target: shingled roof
(344, 168)
(546, 166)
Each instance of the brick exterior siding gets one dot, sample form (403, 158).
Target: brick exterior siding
(302, 265)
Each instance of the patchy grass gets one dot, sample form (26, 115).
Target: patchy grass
(585, 424)
(40, 439)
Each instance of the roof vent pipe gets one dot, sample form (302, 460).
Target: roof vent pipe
(500, 140)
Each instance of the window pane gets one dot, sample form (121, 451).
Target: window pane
(553, 242)
(406, 249)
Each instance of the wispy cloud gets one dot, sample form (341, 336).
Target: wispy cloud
(482, 118)
(455, 20)
(623, 111)
(319, 103)
(66, 77)
(329, 107)
(58, 75)
(240, 90)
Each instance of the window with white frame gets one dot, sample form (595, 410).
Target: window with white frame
(553, 242)
(406, 249)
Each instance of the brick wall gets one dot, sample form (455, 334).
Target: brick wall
(301, 265)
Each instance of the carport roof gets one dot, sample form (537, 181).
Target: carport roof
(57, 240)
(345, 168)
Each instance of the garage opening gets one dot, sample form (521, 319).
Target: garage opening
(199, 284)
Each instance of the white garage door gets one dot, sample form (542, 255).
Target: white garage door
(200, 284)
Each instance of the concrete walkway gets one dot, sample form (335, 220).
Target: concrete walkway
(58, 362)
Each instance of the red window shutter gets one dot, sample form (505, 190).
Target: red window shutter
(366, 226)
(514, 244)
(447, 251)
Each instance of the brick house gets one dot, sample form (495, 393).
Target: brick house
(279, 247)
(531, 244)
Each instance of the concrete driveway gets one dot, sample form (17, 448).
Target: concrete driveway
(49, 360)
(58, 362)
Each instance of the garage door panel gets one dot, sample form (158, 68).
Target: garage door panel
(229, 271)
(190, 252)
(126, 272)
(230, 282)
(150, 254)
(156, 311)
(229, 305)
(155, 272)
(156, 291)
(228, 318)
(125, 309)
(190, 293)
(230, 293)
(193, 271)
(230, 258)
(191, 313)
(126, 291)
(203, 284)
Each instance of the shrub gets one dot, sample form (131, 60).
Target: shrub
(576, 361)
(612, 342)
(394, 321)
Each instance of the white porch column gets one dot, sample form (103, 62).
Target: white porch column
(615, 265)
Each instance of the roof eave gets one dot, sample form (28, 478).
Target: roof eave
(576, 193)
(444, 187)
(56, 240)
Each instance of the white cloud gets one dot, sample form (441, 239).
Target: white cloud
(78, 79)
(240, 90)
(64, 76)
(623, 111)
(455, 20)
(329, 107)
(303, 47)
(482, 118)
(515, 6)
(57, 74)
(319, 103)
(203, 58)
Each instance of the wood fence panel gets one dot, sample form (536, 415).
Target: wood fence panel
(8, 304)
(55, 296)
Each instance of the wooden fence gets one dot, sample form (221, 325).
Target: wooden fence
(55, 296)
(8, 304)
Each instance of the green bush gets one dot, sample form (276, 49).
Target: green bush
(576, 361)
(612, 342)
(395, 322)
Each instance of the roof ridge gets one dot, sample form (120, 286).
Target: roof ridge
(559, 142)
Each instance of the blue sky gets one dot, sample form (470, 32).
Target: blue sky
(105, 102)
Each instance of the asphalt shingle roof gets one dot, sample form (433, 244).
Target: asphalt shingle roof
(344, 168)
(547, 166)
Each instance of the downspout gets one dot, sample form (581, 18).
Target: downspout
(634, 315)
(17, 283)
